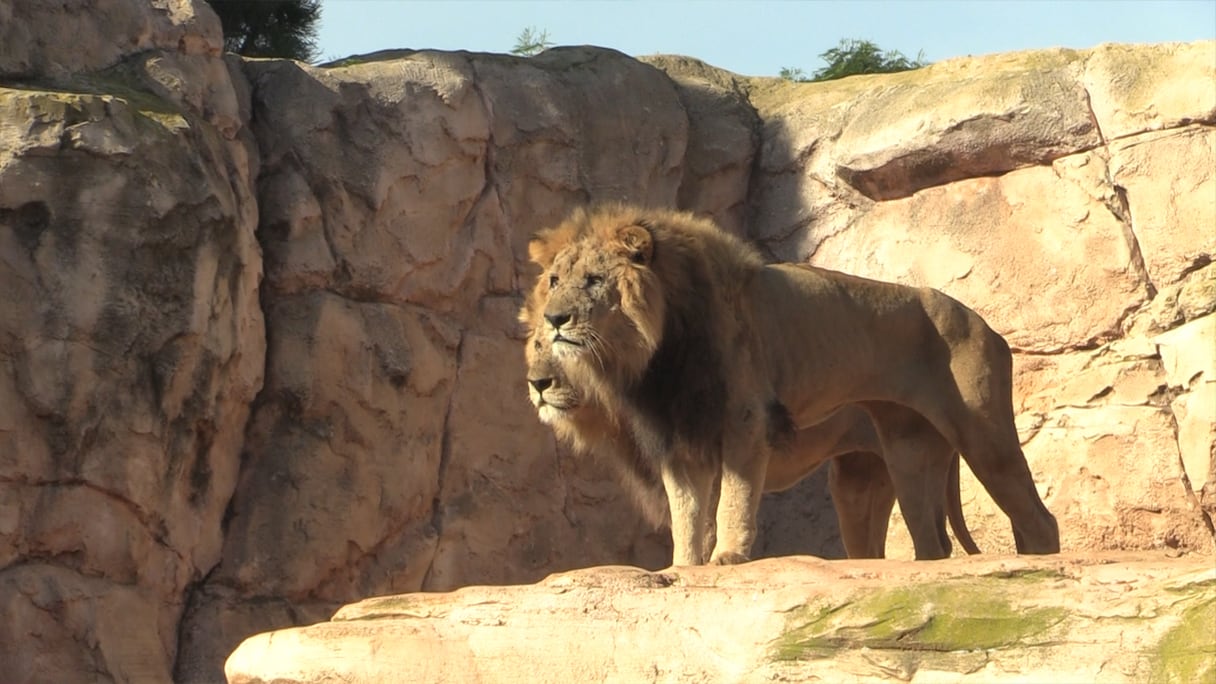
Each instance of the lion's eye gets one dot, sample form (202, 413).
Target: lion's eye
(552, 281)
(593, 280)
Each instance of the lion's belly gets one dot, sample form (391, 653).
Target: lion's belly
(831, 339)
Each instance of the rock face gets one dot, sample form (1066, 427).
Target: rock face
(1061, 619)
(1065, 228)
(131, 338)
(205, 454)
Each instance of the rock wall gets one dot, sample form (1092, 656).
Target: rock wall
(131, 337)
(203, 453)
(1068, 196)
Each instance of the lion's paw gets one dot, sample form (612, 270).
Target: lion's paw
(728, 558)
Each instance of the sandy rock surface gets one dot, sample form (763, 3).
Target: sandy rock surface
(1092, 618)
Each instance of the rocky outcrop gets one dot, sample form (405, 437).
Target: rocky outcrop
(1065, 227)
(203, 453)
(131, 338)
(1093, 619)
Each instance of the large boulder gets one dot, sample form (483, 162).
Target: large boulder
(63, 39)
(131, 337)
(1093, 619)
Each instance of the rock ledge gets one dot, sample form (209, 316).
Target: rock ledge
(1095, 618)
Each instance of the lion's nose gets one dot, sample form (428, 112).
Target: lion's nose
(557, 320)
(540, 384)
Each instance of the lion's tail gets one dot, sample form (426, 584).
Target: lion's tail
(954, 510)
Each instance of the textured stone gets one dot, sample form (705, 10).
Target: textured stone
(1142, 618)
(1168, 181)
(1133, 90)
(963, 118)
(131, 347)
(1002, 246)
(1190, 370)
(723, 139)
(397, 194)
(59, 39)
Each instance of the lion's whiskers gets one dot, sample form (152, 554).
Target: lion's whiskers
(595, 344)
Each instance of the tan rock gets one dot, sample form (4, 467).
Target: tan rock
(62, 39)
(723, 137)
(1190, 367)
(1003, 246)
(132, 345)
(963, 118)
(1183, 301)
(1132, 90)
(397, 195)
(1169, 179)
(791, 619)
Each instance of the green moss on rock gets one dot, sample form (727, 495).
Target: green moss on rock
(1187, 653)
(384, 608)
(940, 617)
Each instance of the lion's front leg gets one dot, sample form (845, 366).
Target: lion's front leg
(743, 469)
(689, 486)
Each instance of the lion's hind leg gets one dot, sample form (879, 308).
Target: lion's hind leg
(988, 439)
(1000, 465)
(918, 460)
(863, 495)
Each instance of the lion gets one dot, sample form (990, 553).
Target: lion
(862, 492)
(687, 338)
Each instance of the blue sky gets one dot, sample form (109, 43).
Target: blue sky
(759, 38)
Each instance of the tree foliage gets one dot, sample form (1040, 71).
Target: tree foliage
(270, 28)
(530, 42)
(793, 74)
(853, 57)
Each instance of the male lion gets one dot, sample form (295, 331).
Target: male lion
(680, 329)
(862, 492)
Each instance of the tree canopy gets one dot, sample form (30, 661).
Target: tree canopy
(530, 42)
(270, 28)
(852, 57)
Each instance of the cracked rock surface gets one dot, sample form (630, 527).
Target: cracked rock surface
(258, 349)
(1093, 618)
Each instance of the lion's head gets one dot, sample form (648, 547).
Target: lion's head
(575, 418)
(583, 423)
(631, 300)
(603, 306)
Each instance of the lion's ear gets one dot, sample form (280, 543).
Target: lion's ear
(540, 251)
(544, 245)
(636, 243)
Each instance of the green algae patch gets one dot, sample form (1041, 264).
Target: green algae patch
(387, 607)
(94, 98)
(1187, 652)
(1037, 575)
(939, 617)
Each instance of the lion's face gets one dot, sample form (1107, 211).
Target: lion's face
(602, 306)
(555, 399)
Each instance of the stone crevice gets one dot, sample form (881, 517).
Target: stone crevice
(193, 596)
(154, 525)
(1093, 116)
(445, 458)
(1164, 399)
